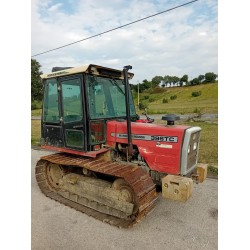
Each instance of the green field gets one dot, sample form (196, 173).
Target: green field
(185, 103)
(35, 132)
(36, 112)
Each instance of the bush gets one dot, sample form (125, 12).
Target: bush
(165, 100)
(173, 97)
(156, 90)
(146, 97)
(197, 93)
(36, 105)
(151, 100)
(142, 106)
(197, 110)
(212, 170)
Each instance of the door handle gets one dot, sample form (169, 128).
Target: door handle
(78, 126)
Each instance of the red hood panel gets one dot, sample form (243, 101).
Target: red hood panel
(159, 145)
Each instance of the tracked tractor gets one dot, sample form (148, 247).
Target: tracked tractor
(106, 161)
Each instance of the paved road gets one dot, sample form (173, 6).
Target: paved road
(171, 225)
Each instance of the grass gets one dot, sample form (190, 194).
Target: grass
(35, 132)
(212, 170)
(185, 103)
(36, 112)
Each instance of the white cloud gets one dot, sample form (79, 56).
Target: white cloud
(183, 41)
(204, 33)
(55, 7)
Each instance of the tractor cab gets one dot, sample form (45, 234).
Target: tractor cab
(77, 104)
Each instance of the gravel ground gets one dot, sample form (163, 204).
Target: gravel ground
(171, 225)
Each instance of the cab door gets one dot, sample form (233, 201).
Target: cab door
(73, 115)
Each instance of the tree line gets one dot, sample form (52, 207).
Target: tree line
(170, 81)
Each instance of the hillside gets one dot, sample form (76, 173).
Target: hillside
(184, 103)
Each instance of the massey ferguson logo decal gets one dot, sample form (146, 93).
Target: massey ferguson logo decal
(159, 138)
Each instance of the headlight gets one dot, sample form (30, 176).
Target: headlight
(195, 146)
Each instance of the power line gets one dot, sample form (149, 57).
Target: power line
(122, 26)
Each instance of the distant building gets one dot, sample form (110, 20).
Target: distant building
(163, 84)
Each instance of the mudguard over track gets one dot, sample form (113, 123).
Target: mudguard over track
(140, 182)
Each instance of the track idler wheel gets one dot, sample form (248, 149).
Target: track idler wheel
(126, 192)
(54, 173)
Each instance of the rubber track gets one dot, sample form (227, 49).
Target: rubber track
(136, 177)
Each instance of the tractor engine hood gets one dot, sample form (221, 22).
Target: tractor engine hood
(159, 145)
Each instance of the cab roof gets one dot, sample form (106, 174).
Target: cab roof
(90, 69)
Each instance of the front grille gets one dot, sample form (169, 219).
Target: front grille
(190, 150)
(193, 150)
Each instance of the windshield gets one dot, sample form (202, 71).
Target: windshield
(106, 98)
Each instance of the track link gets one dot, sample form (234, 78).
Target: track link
(136, 177)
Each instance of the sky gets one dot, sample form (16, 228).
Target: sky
(178, 42)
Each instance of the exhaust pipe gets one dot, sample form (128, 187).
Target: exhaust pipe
(127, 90)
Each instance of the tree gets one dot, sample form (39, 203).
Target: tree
(171, 79)
(167, 79)
(210, 77)
(184, 79)
(134, 87)
(201, 78)
(196, 81)
(156, 81)
(36, 81)
(175, 79)
(145, 85)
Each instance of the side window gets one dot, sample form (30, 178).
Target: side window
(97, 99)
(71, 100)
(50, 108)
(100, 101)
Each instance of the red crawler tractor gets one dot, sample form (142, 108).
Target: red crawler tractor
(109, 161)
